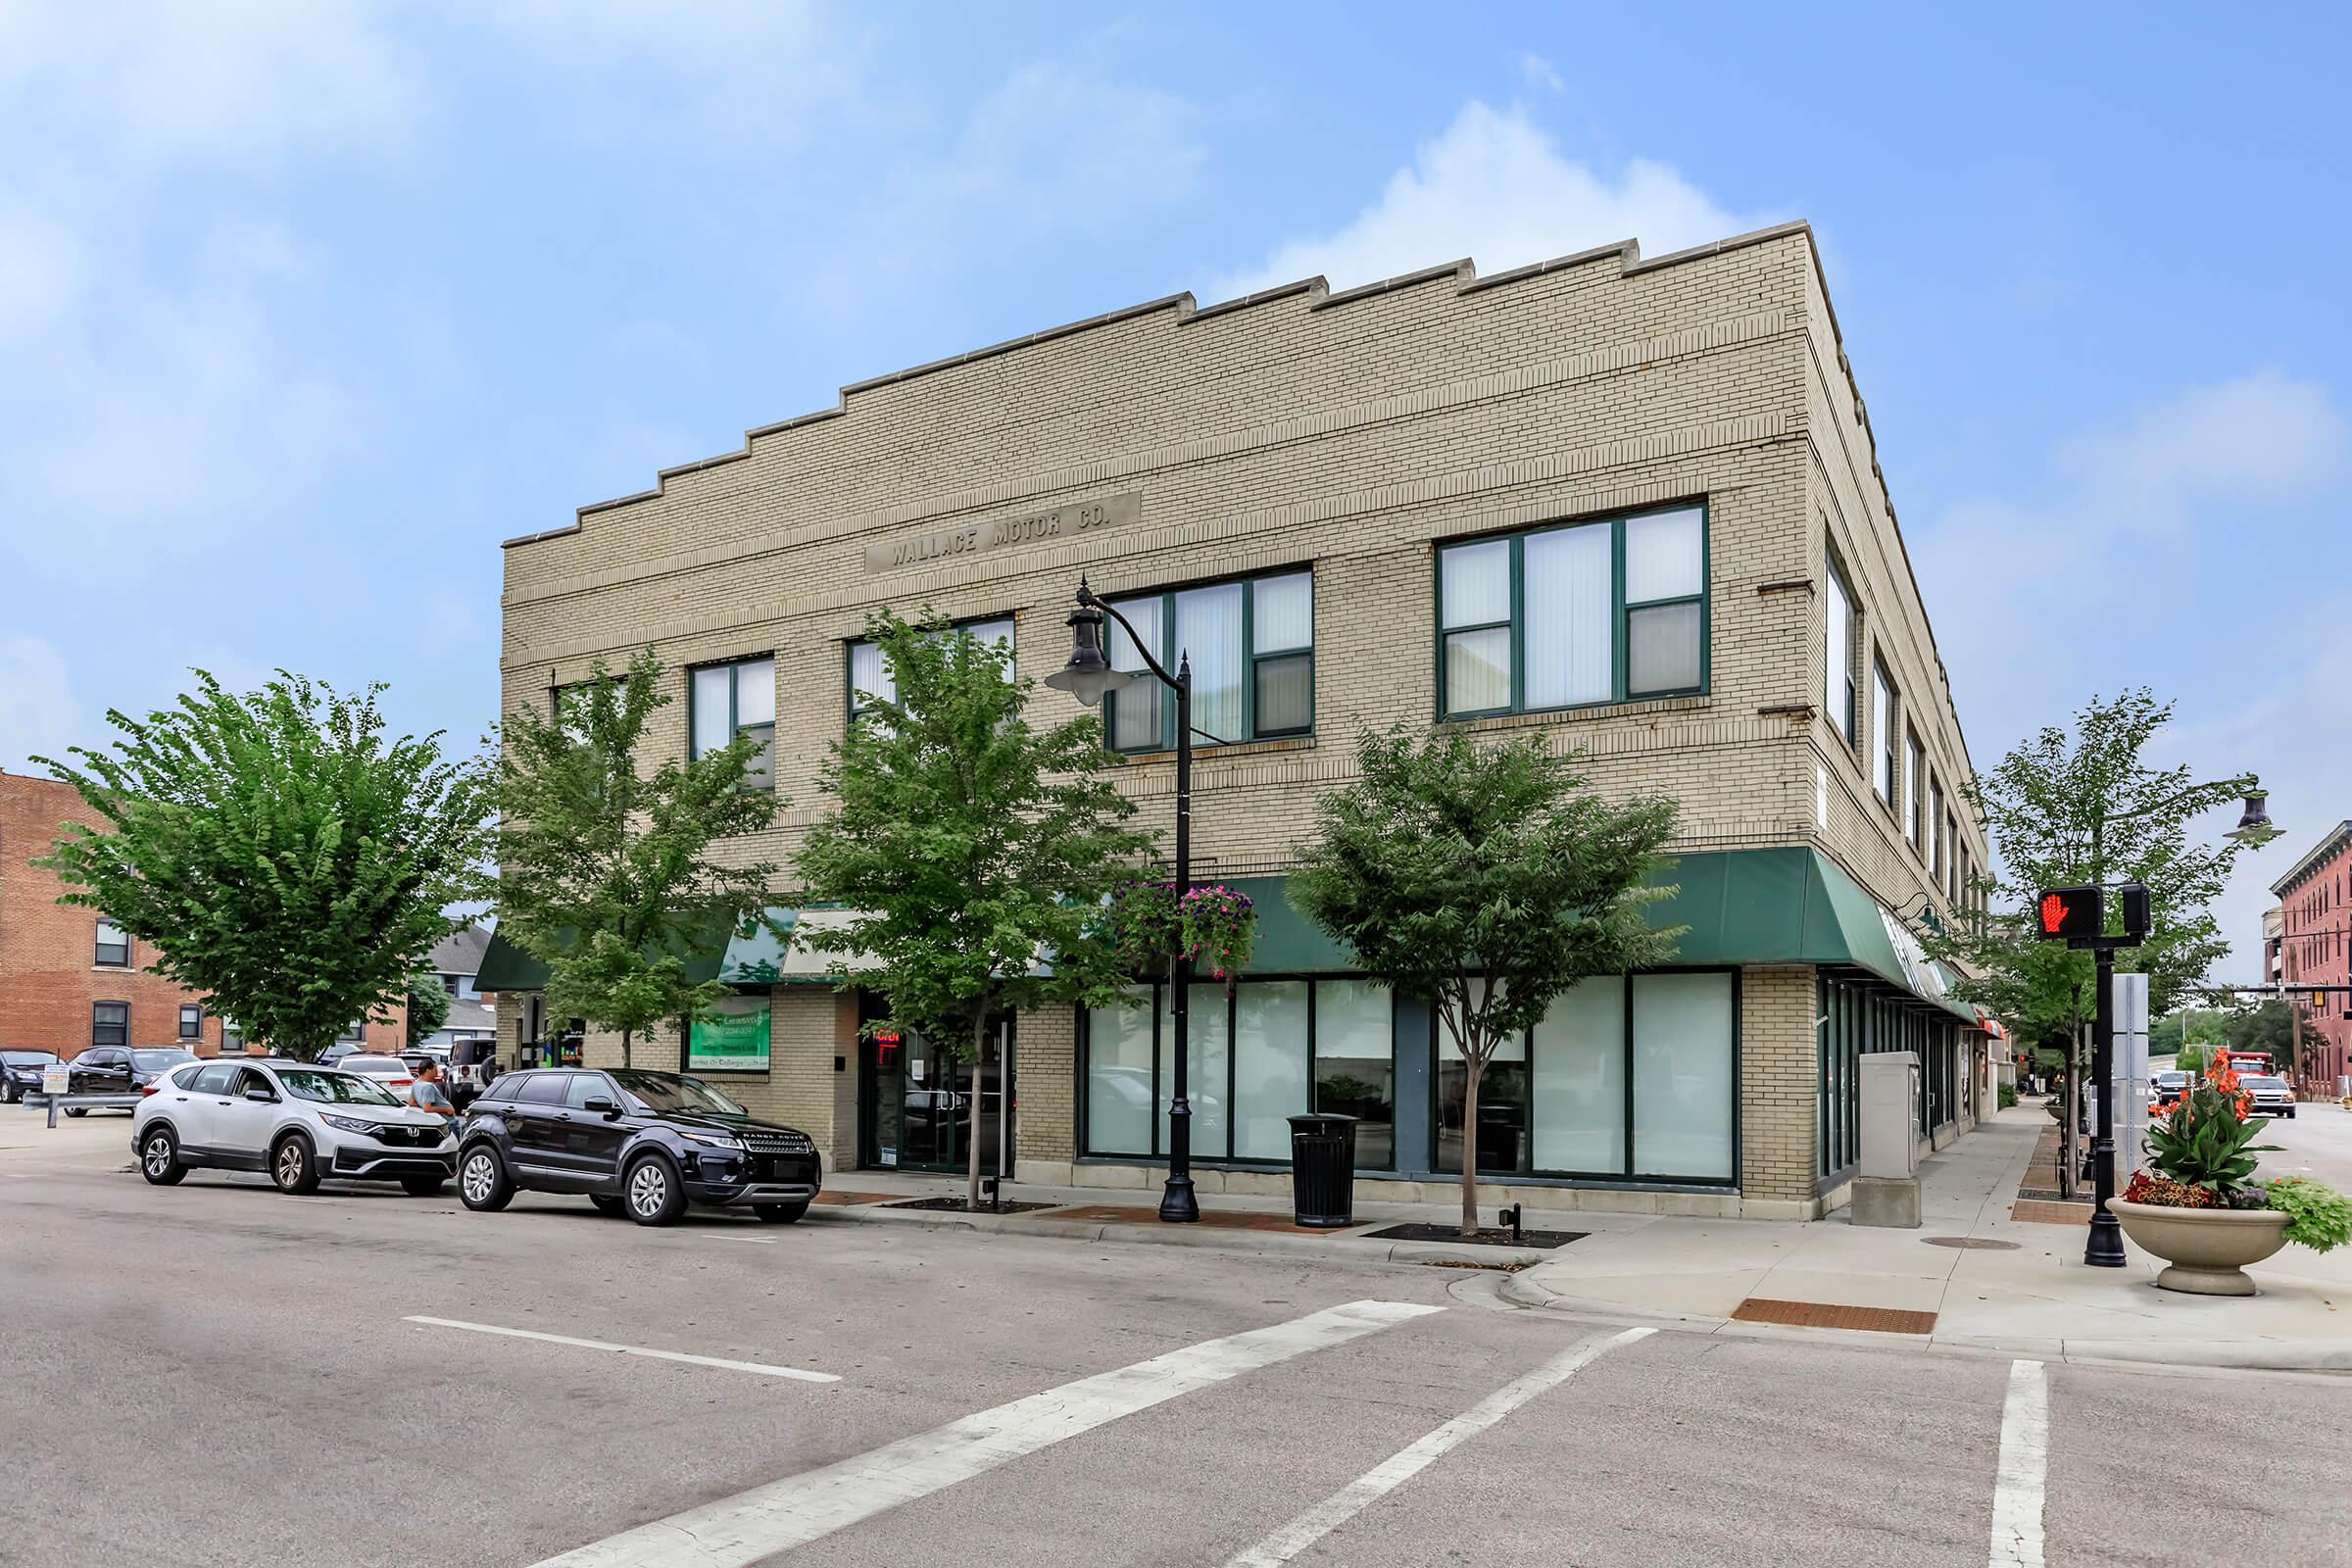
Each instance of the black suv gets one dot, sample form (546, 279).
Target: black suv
(646, 1143)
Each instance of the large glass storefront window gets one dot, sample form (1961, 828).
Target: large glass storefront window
(1272, 1050)
(1623, 1079)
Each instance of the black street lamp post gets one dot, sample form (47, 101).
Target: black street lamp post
(1088, 676)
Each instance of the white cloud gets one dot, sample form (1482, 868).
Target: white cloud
(38, 712)
(1539, 73)
(1495, 187)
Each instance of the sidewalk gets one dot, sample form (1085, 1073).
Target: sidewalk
(2014, 1282)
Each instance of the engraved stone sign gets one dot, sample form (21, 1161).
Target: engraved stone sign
(994, 533)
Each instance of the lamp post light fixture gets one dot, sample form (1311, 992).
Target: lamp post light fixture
(2254, 827)
(1089, 677)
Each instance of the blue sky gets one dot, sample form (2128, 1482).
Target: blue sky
(304, 308)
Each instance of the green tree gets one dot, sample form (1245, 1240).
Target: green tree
(2087, 807)
(977, 849)
(279, 853)
(1489, 879)
(2268, 1027)
(428, 1004)
(607, 875)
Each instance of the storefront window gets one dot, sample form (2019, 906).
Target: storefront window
(1580, 1080)
(1118, 1087)
(1269, 1066)
(1503, 1144)
(1682, 1076)
(1355, 1066)
(1275, 1048)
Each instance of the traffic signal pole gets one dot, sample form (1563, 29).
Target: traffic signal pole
(2103, 1248)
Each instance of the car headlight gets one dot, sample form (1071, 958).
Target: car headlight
(713, 1141)
(349, 1124)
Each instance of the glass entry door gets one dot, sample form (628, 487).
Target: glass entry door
(921, 1107)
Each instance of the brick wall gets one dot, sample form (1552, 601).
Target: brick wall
(48, 976)
(1354, 434)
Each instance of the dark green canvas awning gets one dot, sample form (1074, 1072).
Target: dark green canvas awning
(1742, 907)
(509, 966)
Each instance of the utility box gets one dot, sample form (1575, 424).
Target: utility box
(2128, 1086)
(1885, 1190)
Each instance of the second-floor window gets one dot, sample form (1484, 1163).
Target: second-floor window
(1882, 718)
(870, 682)
(1576, 615)
(114, 945)
(1252, 650)
(738, 698)
(1837, 645)
(1936, 822)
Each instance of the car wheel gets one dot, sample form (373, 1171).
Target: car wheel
(780, 1213)
(77, 1110)
(652, 1191)
(606, 1202)
(423, 1185)
(482, 1181)
(159, 1159)
(293, 1165)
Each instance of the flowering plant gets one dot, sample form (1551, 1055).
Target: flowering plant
(1216, 925)
(2206, 1139)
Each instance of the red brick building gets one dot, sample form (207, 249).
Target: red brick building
(68, 979)
(2314, 948)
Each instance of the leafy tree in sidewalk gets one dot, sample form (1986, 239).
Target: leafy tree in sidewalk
(281, 856)
(606, 872)
(972, 844)
(428, 1004)
(2087, 807)
(1489, 879)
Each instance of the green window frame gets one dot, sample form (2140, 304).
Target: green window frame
(982, 627)
(1272, 658)
(1474, 636)
(731, 682)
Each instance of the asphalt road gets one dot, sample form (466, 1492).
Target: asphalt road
(216, 1374)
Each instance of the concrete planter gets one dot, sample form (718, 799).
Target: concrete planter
(2207, 1248)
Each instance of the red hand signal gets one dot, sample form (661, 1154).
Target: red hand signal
(2053, 911)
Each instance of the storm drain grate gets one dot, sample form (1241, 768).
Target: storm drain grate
(1822, 1315)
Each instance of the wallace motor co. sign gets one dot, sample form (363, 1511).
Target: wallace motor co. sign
(994, 534)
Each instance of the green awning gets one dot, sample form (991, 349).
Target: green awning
(509, 966)
(1742, 907)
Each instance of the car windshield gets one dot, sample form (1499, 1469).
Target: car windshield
(160, 1056)
(2265, 1083)
(373, 1064)
(28, 1059)
(664, 1091)
(334, 1087)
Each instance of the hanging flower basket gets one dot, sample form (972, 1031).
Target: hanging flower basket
(1155, 921)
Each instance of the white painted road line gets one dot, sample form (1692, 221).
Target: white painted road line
(761, 1367)
(2023, 1467)
(798, 1509)
(1405, 1464)
(730, 1236)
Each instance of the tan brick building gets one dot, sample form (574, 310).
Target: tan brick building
(1632, 506)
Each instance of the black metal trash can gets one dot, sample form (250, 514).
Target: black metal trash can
(1323, 1170)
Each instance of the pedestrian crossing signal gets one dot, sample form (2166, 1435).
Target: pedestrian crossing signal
(2063, 912)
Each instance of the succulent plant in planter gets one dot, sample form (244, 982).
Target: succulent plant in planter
(2202, 1210)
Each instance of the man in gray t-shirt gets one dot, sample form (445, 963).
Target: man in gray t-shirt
(426, 1093)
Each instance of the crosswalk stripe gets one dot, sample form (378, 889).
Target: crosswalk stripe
(761, 1367)
(1401, 1466)
(2023, 1465)
(798, 1509)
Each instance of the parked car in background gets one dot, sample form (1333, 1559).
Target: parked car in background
(473, 1065)
(2272, 1096)
(2164, 1089)
(644, 1144)
(389, 1073)
(118, 1071)
(149, 1064)
(20, 1073)
(300, 1123)
(333, 1054)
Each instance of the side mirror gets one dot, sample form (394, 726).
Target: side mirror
(600, 1106)
(260, 1097)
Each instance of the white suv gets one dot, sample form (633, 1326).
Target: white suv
(293, 1120)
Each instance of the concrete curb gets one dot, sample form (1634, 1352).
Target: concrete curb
(1351, 1248)
(2248, 1356)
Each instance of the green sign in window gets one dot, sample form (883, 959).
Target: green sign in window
(731, 1040)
